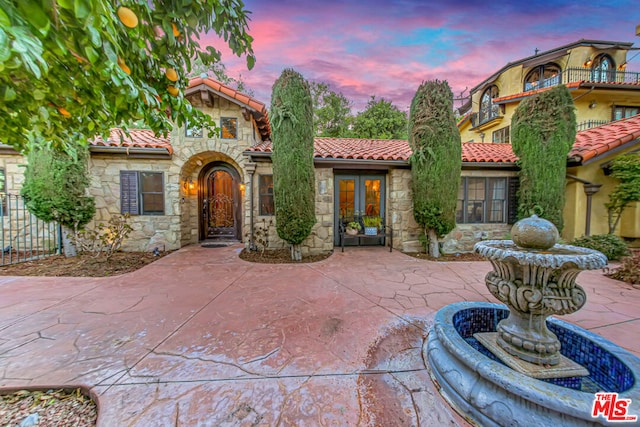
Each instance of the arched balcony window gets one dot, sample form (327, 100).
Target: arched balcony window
(542, 76)
(603, 69)
(489, 110)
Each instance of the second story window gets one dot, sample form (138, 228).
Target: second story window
(489, 110)
(603, 69)
(229, 127)
(542, 76)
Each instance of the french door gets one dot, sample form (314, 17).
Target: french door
(357, 195)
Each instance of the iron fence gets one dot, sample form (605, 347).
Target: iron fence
(25, 237)
(590, 124)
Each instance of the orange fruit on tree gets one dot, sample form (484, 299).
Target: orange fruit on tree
(123, 65)
(64, 112)
(173, 91)
(127, 16)
(171, 74)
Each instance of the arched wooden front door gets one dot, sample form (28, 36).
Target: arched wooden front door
(219, 203)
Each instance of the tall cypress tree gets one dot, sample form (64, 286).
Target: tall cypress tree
(543, 130)
(293, 175)
(436, 160)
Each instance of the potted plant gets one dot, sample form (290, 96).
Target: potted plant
(352, 228)
(371, 224)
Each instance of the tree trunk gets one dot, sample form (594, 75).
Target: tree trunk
(296, 253)
(67, 242)
(434, 247)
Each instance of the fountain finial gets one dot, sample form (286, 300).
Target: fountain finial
(535, 233)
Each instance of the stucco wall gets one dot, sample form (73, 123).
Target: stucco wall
(575, 210)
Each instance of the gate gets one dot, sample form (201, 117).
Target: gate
(25, 237)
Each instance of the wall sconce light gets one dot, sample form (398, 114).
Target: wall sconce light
(588, 63)
(593, 104)
(622, 66)
(189, 184)
(242, 186)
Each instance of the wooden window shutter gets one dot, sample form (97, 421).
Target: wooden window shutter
(129, 192)
(512, 202)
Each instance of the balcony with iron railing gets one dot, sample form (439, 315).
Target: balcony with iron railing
(588, 75)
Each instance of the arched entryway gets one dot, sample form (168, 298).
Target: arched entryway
(219, 202)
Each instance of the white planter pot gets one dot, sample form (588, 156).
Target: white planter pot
(371, 231)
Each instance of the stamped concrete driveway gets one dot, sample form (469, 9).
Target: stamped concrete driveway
(201, 337)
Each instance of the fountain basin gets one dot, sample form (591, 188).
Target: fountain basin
(488, 392)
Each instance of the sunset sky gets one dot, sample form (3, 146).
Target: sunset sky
(387, 48)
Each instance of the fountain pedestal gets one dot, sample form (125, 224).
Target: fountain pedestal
(535, 278)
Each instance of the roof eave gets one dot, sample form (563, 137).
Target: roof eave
(136, 152)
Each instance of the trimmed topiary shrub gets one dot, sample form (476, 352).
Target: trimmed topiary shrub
(543, 130)
(609, 244)
(293, 174)
(435, 162)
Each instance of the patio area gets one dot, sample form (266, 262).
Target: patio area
(201, 337)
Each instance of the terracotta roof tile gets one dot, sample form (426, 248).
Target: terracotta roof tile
(259, 110)
(589, 144)
(365, 149)
(479, 152)
(139, 138)
(396, 149)
(593, 142)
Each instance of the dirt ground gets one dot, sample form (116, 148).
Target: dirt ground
(82, 265)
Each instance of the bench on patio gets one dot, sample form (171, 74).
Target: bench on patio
(361, 239)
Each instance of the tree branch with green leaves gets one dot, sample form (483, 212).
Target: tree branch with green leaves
(73, 69)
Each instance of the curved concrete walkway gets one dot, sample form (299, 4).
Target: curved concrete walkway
(201, 337)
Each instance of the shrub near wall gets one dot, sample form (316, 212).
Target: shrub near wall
(611, 245)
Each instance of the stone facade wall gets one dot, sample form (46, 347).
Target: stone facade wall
(320, 239)
(179, 225)
(406, 232)
(149, 231)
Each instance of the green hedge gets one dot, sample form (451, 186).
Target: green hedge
(609, 244)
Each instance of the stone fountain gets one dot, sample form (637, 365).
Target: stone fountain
(518, 366)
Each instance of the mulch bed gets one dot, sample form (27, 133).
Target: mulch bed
(82, 265)
(47, 408)
(279, 256)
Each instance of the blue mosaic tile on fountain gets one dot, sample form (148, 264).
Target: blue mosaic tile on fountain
(606, 371)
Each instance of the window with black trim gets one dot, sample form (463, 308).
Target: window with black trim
(265, 195)
(229, 128)
(142, 193)
(542, 76)
(500, 136)
(623, 112)
(489, 110)
(487, 200)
